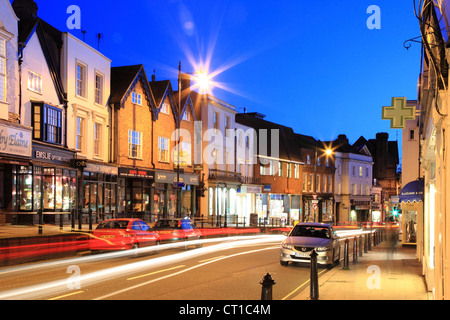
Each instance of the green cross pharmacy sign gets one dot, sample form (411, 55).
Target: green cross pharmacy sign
(398, 113)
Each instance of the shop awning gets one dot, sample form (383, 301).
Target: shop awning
(412, 192)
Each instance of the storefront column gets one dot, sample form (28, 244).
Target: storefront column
(152, 202)
(193, 202)
(166, 200)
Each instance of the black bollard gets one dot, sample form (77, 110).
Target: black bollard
(355, 250)
(366, 243)
(267, 283)
(41, 222)
(90, 219)
(369, 242)
(72, 218)
(346, 242)
(314, 277)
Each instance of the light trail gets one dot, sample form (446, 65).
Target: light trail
(60, 287)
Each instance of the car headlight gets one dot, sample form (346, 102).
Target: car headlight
(285, 245)
(320, 249)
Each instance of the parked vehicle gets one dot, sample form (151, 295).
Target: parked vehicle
(123, 234)
(305, 237)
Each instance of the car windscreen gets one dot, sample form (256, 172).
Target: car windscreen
(116, 224)
(167, 224)
(310, 231)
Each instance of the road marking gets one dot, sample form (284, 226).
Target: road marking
(303, 284)
(66, 295)
(177, 273)
(159, 271)
(211, 259)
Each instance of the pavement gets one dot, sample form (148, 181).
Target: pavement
(385, 272)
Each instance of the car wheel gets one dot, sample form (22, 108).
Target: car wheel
(156, 251)
(135, 248)
(284, 263)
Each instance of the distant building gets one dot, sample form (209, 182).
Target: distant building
(353, 181)
(278, 167)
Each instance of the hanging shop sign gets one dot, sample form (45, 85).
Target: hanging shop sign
(16, 141)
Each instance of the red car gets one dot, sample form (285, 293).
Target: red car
(123, 234)
(177, 230)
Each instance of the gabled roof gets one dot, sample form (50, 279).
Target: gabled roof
(287, 143)
(186, 102)
(51, 43)
(161, 90)
(123, 81)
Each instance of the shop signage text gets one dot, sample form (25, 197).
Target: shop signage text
(15, 141)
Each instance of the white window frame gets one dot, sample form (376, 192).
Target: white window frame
(81, 90)
(98, 133)
(99, 89)
(3, 69)
(34, 82)
(135, 139)
(163, 149)
(136, 98)
(186, 115)
(80, 134)
(165, 108)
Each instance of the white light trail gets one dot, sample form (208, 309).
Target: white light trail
(59, 287)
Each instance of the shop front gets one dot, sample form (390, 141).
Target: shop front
(99, 185)
(48, 184)
(134, 191)
(246, 202)
(411, 200)
(172, 190)
(318, 208)
(15, 154)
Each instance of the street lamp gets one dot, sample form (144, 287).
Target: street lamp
(204, 82)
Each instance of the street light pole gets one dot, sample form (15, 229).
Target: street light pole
(178, 125)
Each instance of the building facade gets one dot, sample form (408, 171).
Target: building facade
(16, 136)
(353, 183)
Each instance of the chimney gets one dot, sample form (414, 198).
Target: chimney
(25, 9)
(153, 76)
(342, 139)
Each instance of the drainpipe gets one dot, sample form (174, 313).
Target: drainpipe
(21, 47)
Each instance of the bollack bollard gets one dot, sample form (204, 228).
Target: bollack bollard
(314, 277)
(267, 283)
(346, 254)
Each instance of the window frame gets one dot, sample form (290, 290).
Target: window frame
(38, 80)
(48, 124)
(81, 91)
(131, 142)
(98, 98)
(163, 154)
(3, 73)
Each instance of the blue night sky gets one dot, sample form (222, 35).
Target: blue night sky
(314, 66)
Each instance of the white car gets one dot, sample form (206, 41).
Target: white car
(305, 237)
